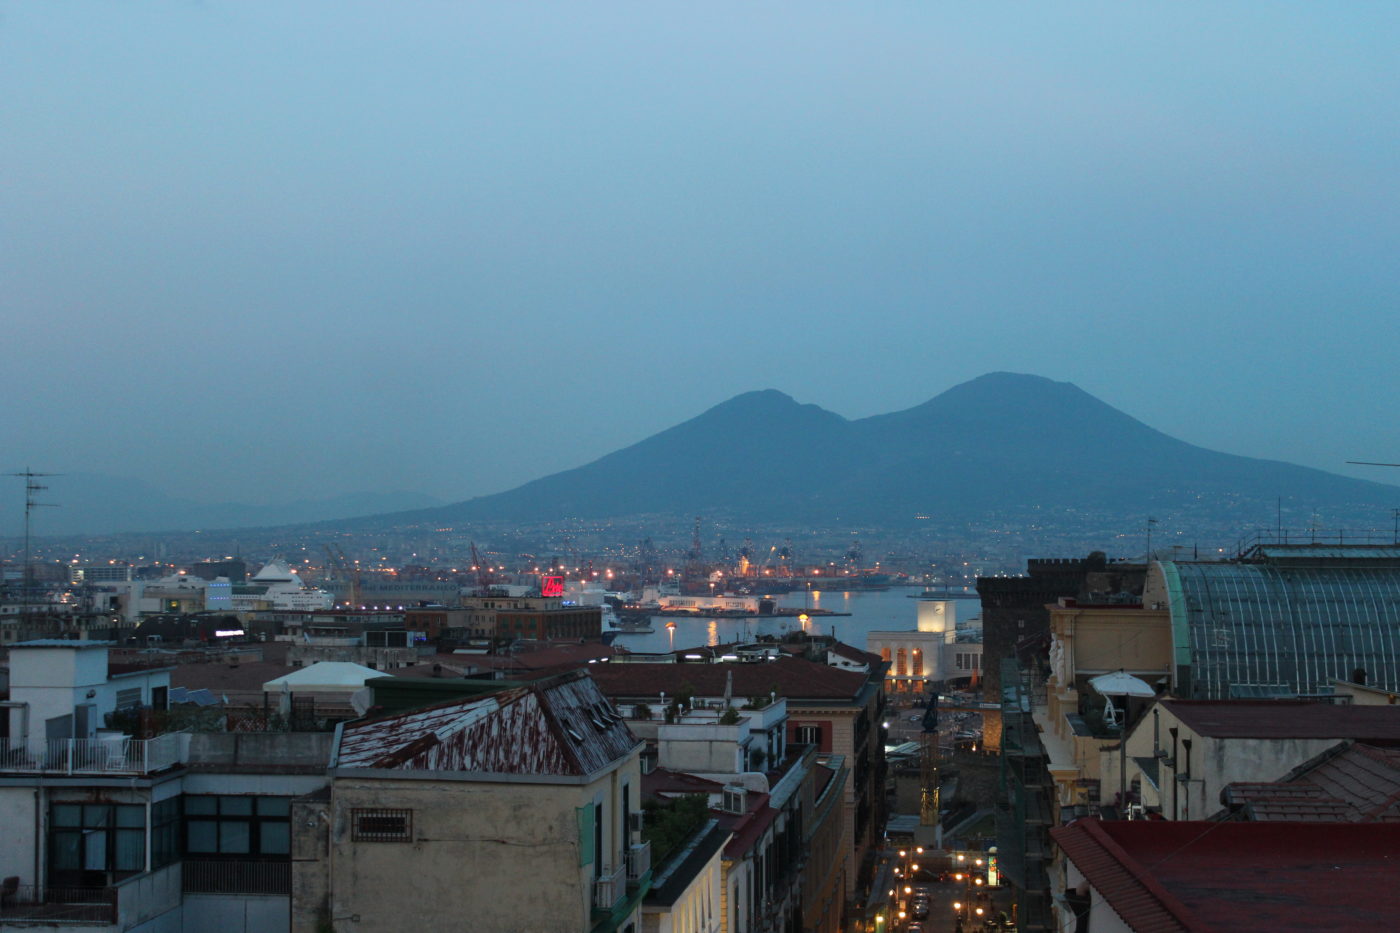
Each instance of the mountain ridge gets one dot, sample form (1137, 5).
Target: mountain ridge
(993, 444)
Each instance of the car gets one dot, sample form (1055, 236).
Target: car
(915, 718)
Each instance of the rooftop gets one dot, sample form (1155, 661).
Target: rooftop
(1349, 782)
(562, 725)
(1164, 875)
(793, 678)
(1286, 719)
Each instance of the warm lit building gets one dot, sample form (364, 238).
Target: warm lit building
(1088, 640)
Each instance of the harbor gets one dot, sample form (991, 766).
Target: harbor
(850, 616)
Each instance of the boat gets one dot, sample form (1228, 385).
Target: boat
(631, 623)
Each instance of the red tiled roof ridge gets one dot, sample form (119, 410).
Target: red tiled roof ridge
(1139, 872)
(1388, 803)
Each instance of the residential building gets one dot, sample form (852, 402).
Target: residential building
(538, 618)
(515, 809)
(1183, 753)
(106, 831)
(1351, 782)
(1078, 726)
(1015, 617)
(67, 690)
(836, 711)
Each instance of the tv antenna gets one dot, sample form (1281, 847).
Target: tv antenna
(1395, 513)
(31, 502)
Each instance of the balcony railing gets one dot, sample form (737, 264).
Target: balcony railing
(638, 860)
(609, 887)
(50, 904)
(222, 876)
(116, 754)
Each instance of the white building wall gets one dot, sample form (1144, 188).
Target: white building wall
(17, 833)
(1102, 917)
(236, 913)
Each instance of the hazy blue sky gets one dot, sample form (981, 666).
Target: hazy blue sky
(270, 250)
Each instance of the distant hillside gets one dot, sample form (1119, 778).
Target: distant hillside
(96, 504)
(1001, 444)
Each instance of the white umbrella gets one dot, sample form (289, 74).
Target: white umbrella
(1123, 684)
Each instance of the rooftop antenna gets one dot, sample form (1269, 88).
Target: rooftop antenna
(1394, 512)
(31, 502)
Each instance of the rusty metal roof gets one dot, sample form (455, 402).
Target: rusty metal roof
(562, 725)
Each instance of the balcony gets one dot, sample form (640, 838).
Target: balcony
(638, 861)
(609, 887)
(117, 754)
(53, 905)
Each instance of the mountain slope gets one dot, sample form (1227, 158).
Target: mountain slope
(1002, 443)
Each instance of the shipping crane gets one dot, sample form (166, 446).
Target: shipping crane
(347, 572)
(484, 578)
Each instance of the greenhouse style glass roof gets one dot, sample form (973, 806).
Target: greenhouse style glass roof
(1261, 629)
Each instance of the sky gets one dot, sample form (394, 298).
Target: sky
(267, 251)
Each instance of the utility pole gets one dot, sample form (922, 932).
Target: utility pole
(31, 502)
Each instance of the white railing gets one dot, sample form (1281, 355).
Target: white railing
(638, 860)
(118, 754)
(609, 887)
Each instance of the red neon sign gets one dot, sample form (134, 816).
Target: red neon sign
(551, 586)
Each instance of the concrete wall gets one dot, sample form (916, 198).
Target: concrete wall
(146, 897)
(236, 913)
(506, 854)
(1213, 763)
(54, 681)
(228, 749)
(17, 833)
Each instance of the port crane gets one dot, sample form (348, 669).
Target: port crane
(484, 577)
(347, 571)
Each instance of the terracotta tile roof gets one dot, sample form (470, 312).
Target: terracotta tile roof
(1286, 719)
(794, 678)
(1163, 876)
(219, 677)
(1350, 782)
(852, 653)
(665, 782)
(747, 827)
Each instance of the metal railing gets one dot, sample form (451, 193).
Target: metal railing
(111, 755)
(609, 887)
(220, 876)
(638, 860)
(53, 904)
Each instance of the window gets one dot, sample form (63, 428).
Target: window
(809, 735)
(733, 800)
(237, 827)
(381, 825)
(89, 842)
(165, 832)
